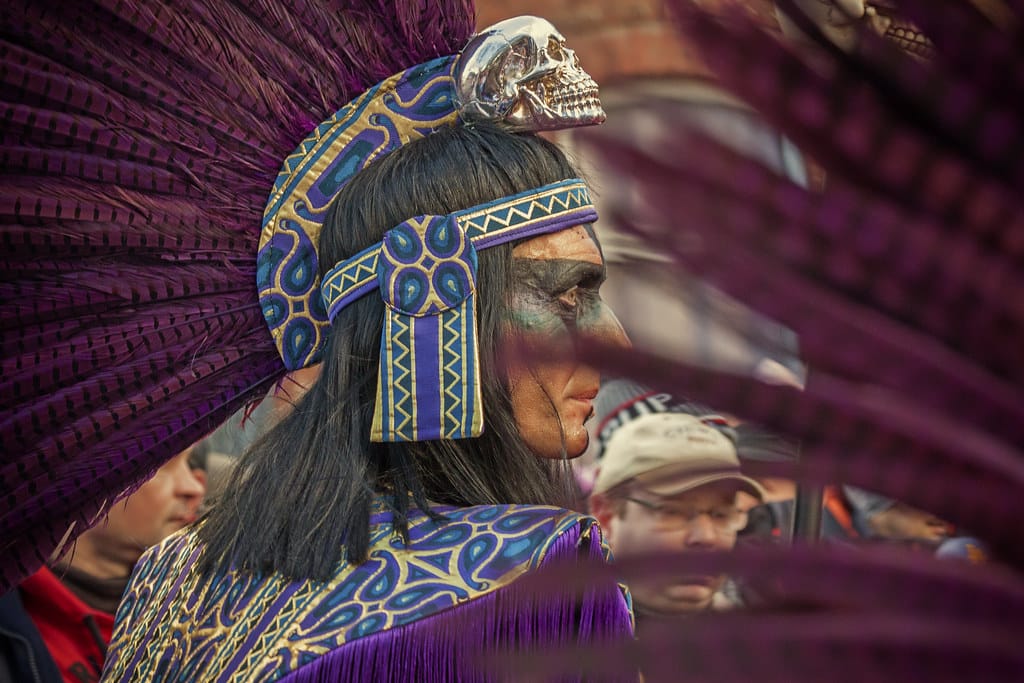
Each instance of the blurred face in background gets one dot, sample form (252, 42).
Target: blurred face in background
(162, 505)
(704, 519)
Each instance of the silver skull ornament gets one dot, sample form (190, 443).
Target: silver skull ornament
(841, 22)
(520, 74)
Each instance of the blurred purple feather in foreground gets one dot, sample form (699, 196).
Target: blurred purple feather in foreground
(826, 613)
(141, 141)
(140, 144)
(903, 277)
(903, 280)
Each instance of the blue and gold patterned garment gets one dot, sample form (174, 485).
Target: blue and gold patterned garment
(422, 612)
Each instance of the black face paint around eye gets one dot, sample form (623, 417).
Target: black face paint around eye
(554, 294)
(552, 277)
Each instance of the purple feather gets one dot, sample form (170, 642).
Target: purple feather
(141, 141)
(840, 119)
(816, 280)
(834, 612)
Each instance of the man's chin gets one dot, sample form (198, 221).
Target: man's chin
(176, 525)
(697, 593)
(575, 450)
(683, 598)
(577, 441)
(575, 446)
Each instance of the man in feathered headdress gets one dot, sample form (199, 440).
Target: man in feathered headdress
(375, 172)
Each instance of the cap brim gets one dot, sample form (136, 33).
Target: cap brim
(670, 486)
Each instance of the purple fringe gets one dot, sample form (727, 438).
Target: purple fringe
(488, 638)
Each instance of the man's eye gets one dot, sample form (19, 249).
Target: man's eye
(571, 298)
(671, 513)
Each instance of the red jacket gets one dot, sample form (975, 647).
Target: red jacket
(75, 634)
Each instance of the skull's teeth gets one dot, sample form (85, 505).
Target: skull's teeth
(580, 103)
(575, 96)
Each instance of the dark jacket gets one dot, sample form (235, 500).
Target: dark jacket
(52, 631)
(23, 654)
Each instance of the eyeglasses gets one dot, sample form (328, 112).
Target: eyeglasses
(724, 518)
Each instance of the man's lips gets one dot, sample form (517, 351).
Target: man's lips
(588, 395)
(693, 580)
(689, 580)
(587, 400)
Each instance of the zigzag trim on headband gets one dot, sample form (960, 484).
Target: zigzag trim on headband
(546, 209)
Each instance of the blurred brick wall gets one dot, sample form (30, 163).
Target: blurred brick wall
(633, 42)
(619, 40)
(616, 41)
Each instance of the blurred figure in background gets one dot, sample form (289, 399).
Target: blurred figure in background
(218, 468)
(619, 401)
(56, 625)
(885, 518)
(669, 482)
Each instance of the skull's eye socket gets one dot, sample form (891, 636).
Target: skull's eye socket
(516, 64)
(554, 48)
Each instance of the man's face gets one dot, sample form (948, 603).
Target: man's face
(701, 520)
(556, 302)
(161, 506)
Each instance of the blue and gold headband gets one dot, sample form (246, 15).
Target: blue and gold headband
(518, 74)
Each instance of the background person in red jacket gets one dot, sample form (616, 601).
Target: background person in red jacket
(69, 607)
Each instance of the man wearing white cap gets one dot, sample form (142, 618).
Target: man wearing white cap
(669, 482)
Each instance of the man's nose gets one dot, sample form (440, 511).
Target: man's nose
(700, 532)
(608, 330)
(186, 483)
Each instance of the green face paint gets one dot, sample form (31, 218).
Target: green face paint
(555, 303)
(555, 297)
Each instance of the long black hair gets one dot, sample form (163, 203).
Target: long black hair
(302, 495)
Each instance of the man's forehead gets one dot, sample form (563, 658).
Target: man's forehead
(577, 244)
(719, 490)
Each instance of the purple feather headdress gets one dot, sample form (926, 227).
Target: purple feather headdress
(903, 279)
(141, 141)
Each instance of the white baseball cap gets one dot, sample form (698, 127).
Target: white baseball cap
(669, 453)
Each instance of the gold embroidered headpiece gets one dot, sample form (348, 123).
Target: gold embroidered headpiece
(519, 74)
